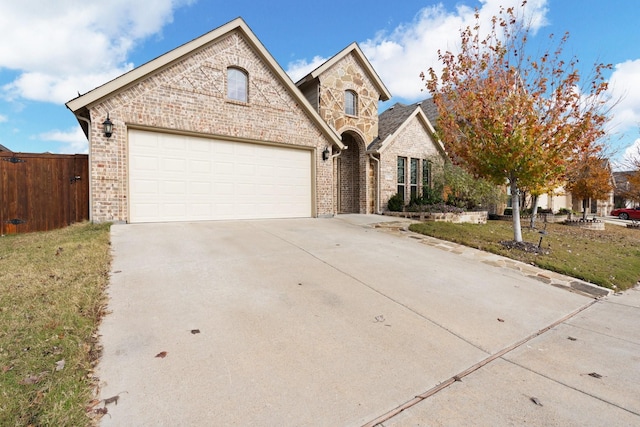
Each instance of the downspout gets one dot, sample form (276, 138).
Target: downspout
(377, 182)
(333, 180)
(88, 122)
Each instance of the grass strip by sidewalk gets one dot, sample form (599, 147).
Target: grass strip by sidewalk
(609, 258)
(51, 302)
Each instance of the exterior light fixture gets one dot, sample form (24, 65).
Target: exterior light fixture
(107, 127)
(326, 153)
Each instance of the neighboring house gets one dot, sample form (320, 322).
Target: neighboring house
(3, 148)
(559, 199)
(215, 129)
(622, 187)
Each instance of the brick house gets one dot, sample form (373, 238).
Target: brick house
(215, 129)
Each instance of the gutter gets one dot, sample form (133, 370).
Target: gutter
(333, 180)
(377, 182)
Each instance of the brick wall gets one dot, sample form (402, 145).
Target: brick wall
(413, 141)
(190, 96)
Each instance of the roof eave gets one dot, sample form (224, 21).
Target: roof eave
(122, 82)
(385, 95)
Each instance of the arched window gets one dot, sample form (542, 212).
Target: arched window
(237, 83)
(350, 103)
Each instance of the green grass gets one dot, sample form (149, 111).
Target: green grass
(609, 258)
(51, 302)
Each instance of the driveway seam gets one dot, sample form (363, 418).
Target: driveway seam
(570, 386)
(499, 355)
(593, 331)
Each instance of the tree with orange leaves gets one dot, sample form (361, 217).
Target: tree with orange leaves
(512, 118)
(589, 178)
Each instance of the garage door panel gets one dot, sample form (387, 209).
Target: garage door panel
(174, 165)
(200, 166)
(181, 178)
(175, 188)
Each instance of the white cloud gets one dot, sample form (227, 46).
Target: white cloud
(629, 158)
(62, 47)
(3, 118)
(400, 57)
(300, 68)
(72, 141)
(624, 86)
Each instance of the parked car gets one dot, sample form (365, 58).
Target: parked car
(627, 213)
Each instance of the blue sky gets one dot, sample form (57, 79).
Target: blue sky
(50, 51)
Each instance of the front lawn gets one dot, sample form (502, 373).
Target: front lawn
(609, 258)
(51, 302)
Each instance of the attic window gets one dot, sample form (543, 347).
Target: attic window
(350, 103)
(237, 84)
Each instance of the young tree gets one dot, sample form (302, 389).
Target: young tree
(633, 191)
(590, 178)
(512, 118)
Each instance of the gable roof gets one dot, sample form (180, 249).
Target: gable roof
(396, 117)
(3, 148)
(83, 102)
(385, 95)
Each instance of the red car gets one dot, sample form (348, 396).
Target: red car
(627, 213)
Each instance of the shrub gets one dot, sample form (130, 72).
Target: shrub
(508, 211)
(431, 195)
(442, 208)
(395, 203)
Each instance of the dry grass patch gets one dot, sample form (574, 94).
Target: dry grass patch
(51, 302)
(609, 258)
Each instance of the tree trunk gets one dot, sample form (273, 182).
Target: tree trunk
(534, 211)
(515, 209)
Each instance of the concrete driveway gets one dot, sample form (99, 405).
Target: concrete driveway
(352, 321)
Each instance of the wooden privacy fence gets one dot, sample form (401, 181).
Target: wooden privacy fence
(40, 192)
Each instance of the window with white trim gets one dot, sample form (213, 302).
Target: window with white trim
(402, 175)
(414, 178)
(426, 174)
(350, 103)
(237, 84)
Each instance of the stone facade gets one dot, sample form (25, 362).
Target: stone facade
(353, 183)
(348, 74)
(189, 97)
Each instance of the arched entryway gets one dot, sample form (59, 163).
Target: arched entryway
(350, 173)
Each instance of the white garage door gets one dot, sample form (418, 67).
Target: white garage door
(183, 178)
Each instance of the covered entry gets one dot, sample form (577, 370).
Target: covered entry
(351, 173)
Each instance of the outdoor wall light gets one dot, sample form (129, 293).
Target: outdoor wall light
(326, 153)
(107, 127)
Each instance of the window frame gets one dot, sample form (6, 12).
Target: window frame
(401, 176)
(413, 177)
(350, 108)
(426, 174)
(234, 84)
